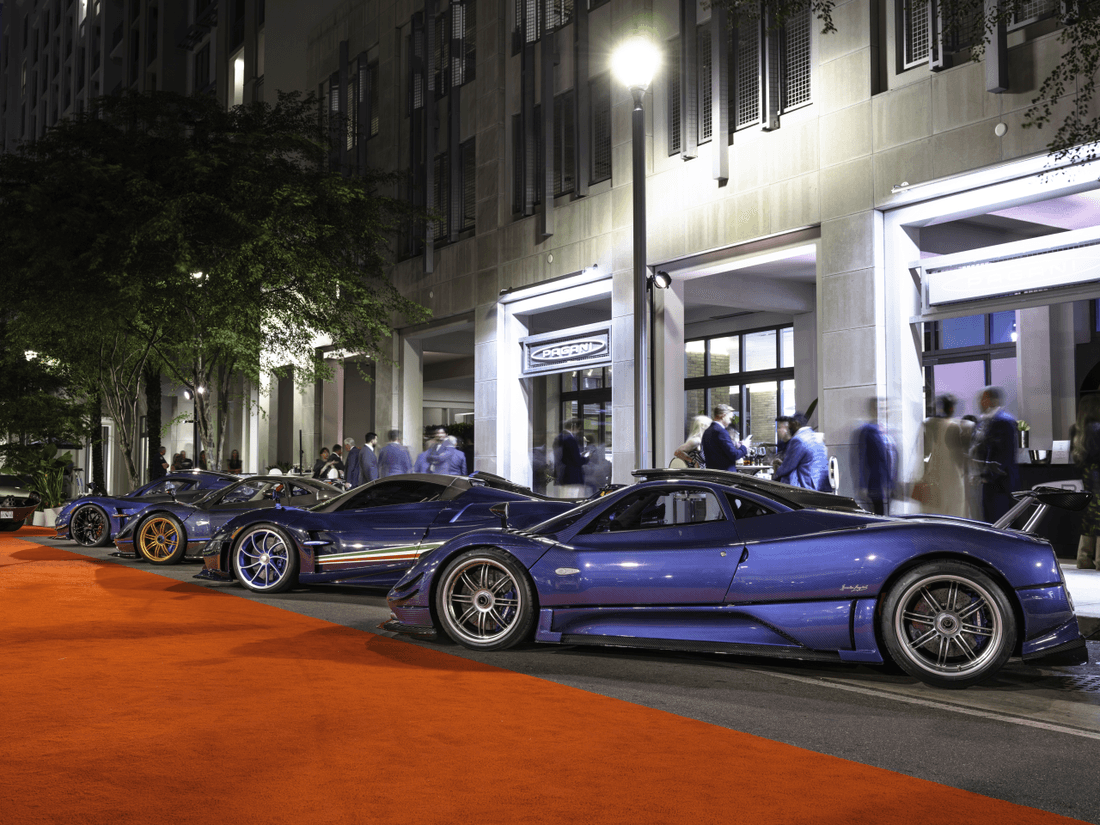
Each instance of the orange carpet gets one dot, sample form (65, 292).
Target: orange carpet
(126, 697)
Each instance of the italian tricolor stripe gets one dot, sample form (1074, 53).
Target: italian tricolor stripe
(404, 552)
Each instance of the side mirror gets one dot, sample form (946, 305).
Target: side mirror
(501, 512)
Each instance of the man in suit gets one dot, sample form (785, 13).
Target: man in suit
(351, 474)
(995, 451)
(721, 451)
(394, 457)
(367, 460)
(805, 461)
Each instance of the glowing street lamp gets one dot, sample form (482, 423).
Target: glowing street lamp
(634, 62)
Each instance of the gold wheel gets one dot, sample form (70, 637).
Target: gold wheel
(160, 540)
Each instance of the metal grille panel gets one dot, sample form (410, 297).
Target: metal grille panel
(441, 196)
(558, 13)
(600, 95)
(702, 83)
(747, 73)
(564, 165)
(1029, 11)
(674, 96)
(469, 184)
(796, 61)
(915, 32)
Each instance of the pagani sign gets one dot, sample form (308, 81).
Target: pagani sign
(563, 353)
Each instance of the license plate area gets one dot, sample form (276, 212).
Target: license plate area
(8, 514)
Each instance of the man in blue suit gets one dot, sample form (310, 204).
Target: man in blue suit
(351, 463)
(995, 452)
(720, 450)
(805, 461)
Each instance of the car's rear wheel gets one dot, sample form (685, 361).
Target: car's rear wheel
(485, 601)
(160, 539)
(89, 526)
(948, 624)
(264, 560)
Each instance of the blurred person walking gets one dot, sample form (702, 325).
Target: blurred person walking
(877, 461)
(569, 461)
(435, 447)
(994, 450)
(394, 457)
(1085, 446)
(942, 487)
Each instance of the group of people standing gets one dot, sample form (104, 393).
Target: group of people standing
(358, 465)
(801, 458)
(181, 462)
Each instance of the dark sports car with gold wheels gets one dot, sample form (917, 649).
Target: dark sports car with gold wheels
(92, 521)
(168, 532)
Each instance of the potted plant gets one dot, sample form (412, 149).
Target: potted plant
(1023, 434)
(46, 469)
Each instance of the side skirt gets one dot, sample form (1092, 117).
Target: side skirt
(770, 651)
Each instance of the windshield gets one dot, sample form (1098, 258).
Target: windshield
(566, 519)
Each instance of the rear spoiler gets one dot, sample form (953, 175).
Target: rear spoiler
(1042, 499)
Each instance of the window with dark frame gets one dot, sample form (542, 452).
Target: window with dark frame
(600, 97)
(564, 151)
(469, 184)
(702, 82)
(673, 51)
(963, 355)
(441, 198)
(751, 371)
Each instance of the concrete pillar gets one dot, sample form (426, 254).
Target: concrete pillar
(668, 385)
(1046, 391)
(412, 394)
(622, 376)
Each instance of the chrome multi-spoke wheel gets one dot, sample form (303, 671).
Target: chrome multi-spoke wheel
(948, 624)
(88, 526)
(484, 600)
(160, 540)
(264, 560)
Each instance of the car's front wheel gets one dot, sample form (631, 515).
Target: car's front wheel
(485, 601)
(160, 539)
(89, 526)
(948, 624)
(264, 560)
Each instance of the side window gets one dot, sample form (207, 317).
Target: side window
(744, 508)
(297, 490)
(396, 492)
(656, 509)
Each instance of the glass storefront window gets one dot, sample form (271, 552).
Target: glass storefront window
(725, 356)
(760, 350)
(695, 359)
(1002, 327)
(695, 403)
(964, 380)
(962, 332)
(786, 347)
(761, 409)
(787, 394)
(1002, 373)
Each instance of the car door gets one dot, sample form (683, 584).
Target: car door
(666, 545)
(378, 531)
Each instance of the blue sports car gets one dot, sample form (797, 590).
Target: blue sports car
(370, 535)
(167, 532)
(723, 562)
(94, 520)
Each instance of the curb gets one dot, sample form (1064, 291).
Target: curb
(1090, 627)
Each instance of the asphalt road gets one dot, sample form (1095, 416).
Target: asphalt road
(1032, 736)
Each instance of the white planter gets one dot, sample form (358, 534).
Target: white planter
(39, 518)
(49, 517)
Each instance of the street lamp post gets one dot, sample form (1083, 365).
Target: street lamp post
(634, 63)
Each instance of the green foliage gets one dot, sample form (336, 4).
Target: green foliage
(36, 402)
(218, 243)
(42, 464)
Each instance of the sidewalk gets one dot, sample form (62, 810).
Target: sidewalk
(1084, 587)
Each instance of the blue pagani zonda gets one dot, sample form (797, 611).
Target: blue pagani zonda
(722, 562)
(367, 537)
(93, 521)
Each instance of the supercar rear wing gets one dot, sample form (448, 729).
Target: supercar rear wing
(1041, 499)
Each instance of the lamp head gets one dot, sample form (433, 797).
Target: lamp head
(635, 61)
(661, 279)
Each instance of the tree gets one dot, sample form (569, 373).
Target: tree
(217, 242)
(978, 21)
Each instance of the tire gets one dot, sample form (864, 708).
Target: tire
(265, 560)
(948, 624)
(485, 601)
(10, 526)
(89, 526)
(160, 539)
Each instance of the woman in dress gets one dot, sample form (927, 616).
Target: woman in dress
(945, 462)
(235, 462)
(1085, 444)
(689, 454)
